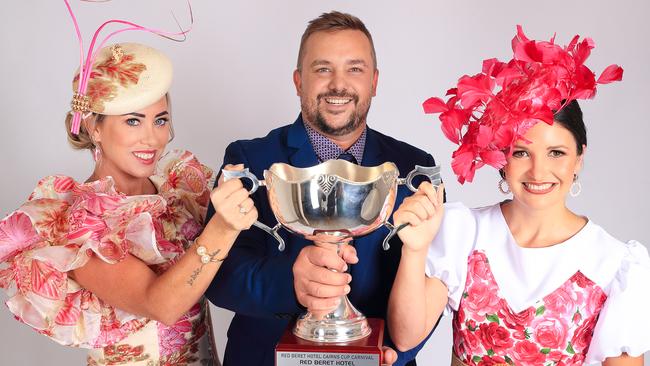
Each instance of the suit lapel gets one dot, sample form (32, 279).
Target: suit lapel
(372, 155)
(304, 155)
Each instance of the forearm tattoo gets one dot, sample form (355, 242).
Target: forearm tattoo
(205, 259)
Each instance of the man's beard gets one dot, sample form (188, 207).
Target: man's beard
(316, 118)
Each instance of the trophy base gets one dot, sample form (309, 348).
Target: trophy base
(295, 351)
(332, 331)
(343, 324)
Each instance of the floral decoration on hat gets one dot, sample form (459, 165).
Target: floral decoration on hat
(488, 112)
(107, 75)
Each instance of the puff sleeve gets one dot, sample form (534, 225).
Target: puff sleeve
(625, 317)
(448, 253)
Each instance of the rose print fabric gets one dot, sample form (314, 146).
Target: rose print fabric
(64, 222)
(577, 302)
(557, 330)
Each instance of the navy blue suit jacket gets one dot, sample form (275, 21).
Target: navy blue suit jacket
(256, 281)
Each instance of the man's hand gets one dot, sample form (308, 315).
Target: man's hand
(319, 277)
(390, 356)
(319, 289)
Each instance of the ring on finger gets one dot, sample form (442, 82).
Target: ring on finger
(243, 210)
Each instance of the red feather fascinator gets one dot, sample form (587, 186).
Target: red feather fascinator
(488, 112)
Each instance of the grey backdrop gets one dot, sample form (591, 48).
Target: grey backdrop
(233, 80)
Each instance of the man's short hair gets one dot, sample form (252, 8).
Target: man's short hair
(332, 22)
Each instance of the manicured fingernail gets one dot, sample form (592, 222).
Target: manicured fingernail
(347, 289)
(349, 278)
(345, 267)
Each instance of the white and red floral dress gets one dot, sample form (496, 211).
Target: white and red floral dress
(573, 303)
(64, 222)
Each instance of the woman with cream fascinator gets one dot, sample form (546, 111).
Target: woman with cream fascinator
(119, 263)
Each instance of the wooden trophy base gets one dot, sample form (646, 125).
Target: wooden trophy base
(294, 351)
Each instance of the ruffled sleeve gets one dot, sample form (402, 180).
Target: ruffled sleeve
(624, 320)
(56, 231)
(185, 184)
(448, 253)
(64, 222)
(183, 181)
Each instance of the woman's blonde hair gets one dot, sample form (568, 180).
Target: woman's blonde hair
(82, 140)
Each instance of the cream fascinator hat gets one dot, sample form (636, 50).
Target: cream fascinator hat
(121, 78)
(124, 77)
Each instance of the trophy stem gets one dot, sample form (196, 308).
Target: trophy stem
(344, 324)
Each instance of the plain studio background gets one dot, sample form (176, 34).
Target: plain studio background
(233, 80)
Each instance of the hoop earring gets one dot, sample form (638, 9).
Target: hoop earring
(505, 190)
(576, 187)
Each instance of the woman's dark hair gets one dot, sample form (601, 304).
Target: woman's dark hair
(570, 117)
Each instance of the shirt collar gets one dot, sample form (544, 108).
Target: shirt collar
(326, 149)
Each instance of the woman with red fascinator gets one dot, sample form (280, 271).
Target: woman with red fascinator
(119, 263)
(528, 281)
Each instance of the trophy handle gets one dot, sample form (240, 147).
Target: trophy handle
(273, 232)
(431, 172)
(245, 173)
(393, 231)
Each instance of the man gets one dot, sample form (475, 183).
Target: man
(336, 78)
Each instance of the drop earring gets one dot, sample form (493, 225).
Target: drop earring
(576, 187)
(97, 153)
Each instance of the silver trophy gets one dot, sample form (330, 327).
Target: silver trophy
(333, 202)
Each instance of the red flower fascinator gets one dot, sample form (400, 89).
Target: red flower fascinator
(488, 112)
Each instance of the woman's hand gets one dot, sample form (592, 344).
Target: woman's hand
(234, 209)
(411, 318)
(423, 212)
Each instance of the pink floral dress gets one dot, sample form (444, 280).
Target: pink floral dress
(556, 330)
(64, 222)
(574, 303)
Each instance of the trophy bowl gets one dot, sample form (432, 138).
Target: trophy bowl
(331, 203)
(335, 198)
